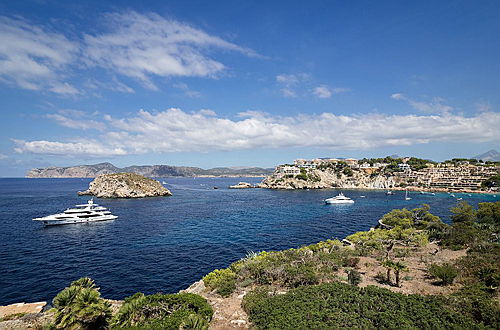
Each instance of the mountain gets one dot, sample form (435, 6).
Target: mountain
(91, 171)
(491, 155)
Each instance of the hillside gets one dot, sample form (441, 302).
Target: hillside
(91, 171)
(491, 155)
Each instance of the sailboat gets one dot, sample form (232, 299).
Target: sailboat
(406, 196)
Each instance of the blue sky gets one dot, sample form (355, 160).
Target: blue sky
(257, 83)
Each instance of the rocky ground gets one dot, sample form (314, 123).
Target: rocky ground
(318, 179)
(125, 185)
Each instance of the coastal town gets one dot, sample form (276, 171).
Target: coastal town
(408, 172)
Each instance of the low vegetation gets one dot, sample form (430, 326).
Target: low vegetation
(338, 305)
(163, 311)
(80, 306)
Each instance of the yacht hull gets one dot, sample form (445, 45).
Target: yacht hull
(57, 222)
(338, 202)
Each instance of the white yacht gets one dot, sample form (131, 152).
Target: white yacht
(340, 199)
(82, 213)
(389, 192)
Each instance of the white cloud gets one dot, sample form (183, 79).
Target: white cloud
(436, 105)
(76, 119)
(113, 85)
(33, 58)
(145, 45)
(174, 130)
(287, 79)
(287, 92)
(89, 148)
(323, 92)
(187, 91)
(3, 157)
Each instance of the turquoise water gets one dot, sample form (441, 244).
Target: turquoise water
(164, 244)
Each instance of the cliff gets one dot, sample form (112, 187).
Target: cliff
(91, 171)
(320, 179)
(125, 185)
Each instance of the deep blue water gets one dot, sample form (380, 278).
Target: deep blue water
(165, 244)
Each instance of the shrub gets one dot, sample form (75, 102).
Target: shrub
(354, 277)
(80, 306)
(338, 305)
(161, 311)
(445, 272)
(221, 280)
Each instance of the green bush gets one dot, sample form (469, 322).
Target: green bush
(338, 305)
(222, 280)
(445, 272)
(161, 311)
(354, 277)
(80, 306)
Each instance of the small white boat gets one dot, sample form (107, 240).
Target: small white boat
(362, 196)
(163, 182)
(433, 194)
(406, 196)
(452, 195)
(339, 199)
(389, 192)
(459, 198)
(82, 213)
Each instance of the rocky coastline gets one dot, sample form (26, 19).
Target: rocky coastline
(125, 185)
(317, 179)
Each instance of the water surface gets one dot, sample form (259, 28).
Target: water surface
(164, 244)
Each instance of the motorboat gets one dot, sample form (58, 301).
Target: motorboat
(406, 196)
(82, 213)
(339, 199)
(389, 192)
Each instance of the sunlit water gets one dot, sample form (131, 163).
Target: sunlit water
(164, 244)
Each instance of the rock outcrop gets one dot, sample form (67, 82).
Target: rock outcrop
(318, 179)
(242, 185)
(125, 185)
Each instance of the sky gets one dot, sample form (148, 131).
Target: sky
(245, 83)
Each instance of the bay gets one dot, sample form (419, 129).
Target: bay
(164, 244)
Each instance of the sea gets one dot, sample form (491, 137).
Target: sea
(164, 244)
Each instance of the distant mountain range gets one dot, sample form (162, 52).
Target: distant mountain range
(491, 155)
(91, 171)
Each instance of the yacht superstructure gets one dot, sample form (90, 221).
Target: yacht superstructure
(82, 213)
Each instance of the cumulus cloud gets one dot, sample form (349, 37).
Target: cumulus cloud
(34, 58)
(174, 130)
(144, 45)
(436, 105)
(89, 148)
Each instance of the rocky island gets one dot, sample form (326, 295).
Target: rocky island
(125, 185)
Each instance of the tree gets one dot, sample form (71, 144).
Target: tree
(398, 267)
(463, 212)
(387, 264)
(80, 306)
